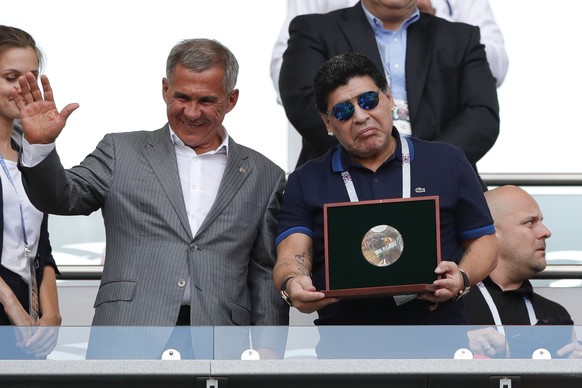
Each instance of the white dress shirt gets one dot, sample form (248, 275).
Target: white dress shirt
(200, 177)
(13, 197)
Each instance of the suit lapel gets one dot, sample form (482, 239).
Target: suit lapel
(236, 172)
(160, 153)
(360, 35)
(419, 46)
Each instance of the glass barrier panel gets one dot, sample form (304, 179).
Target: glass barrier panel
(290, 343)
(396, 342)
(379, 342)
(106, 343)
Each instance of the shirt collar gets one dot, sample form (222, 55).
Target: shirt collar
(221, 149)
(526, 288)
(340, 160)
(378, 26)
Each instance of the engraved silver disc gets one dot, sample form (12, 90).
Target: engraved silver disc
(382, 245)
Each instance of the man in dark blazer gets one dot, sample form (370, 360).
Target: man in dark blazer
(184, 246)
(450, 89)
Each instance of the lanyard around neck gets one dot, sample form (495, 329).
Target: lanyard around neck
(5, 168)
(495, 312)
(32, 263)
(349, 183)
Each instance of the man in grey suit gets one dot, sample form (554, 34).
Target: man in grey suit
(189, 214)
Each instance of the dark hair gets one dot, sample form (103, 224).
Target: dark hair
(202, 54)
(339, 70)
(12, 37)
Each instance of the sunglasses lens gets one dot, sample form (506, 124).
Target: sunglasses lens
(368, 100)
(343, 111)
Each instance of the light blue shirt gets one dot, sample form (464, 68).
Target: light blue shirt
(392, 47)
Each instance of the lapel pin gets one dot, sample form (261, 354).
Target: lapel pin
(242, 170)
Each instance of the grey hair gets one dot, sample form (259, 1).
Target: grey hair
(202, 54)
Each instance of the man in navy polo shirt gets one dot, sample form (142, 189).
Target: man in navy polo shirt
(354, 102)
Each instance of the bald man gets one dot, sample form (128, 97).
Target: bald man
(506, 296)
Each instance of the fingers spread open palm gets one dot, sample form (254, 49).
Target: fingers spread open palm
(41, 120)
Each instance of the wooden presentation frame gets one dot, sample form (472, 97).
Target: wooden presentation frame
(349, 274)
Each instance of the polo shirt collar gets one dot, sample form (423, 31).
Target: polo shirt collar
(340, 161)
(526, 288)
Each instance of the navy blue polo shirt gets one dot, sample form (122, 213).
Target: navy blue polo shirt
(438, 169)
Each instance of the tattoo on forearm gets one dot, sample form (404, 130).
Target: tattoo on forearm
(280, 267)
(303, 260)
(300, 258)
(298, 266)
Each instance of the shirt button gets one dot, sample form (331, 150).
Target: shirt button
(376, 180)
(181, 283)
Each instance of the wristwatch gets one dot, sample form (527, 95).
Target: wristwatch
(466, 286)
(284, 293)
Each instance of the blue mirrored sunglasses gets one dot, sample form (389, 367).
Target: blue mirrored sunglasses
(345, 110)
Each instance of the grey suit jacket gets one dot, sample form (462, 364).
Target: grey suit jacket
(133, 178)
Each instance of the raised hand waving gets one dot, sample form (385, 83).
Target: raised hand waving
(41, 121)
